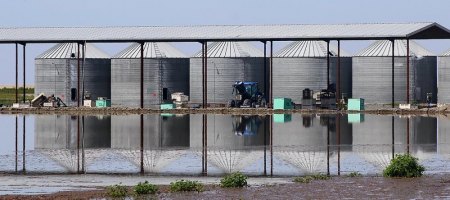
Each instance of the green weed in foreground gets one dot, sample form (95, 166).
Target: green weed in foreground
(145, 188)
(186, 185)
(236, 179)
(404, 166)
(308, 179)
(354, 174)
(116, 191)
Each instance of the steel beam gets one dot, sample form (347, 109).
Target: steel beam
(338, 131)
(142, 143)
(206, 75)
(17, 142)
(328, 63)
(142, 75)
(78, 76)
(78, 143)
(393, 64)
(271, 76)
(24, 67)
(203, 75)
(17, 73)
(338, 73)
(23, 145)
(407, 71)
(265, 73)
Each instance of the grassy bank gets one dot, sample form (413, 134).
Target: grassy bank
(8, 95)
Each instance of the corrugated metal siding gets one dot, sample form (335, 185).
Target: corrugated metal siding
(231, 50)
(384, 48)
(443, 136)
(171, 73)
(60, 132)
(65, 50)
(151, 50)
(444, 80)
(222, 73)
(372, 79)
(58, 76)
(423, 131)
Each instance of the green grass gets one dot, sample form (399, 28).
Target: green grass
(355, 174)
(185, 185)
(309, 178)
(145, 188)
(8, 95)
(117, 191)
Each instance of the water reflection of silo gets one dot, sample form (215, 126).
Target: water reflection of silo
(302, 143)
(373, 139)
(444, 137)
(56, 136)
(234, 142)
(165, 138)
(423, 136)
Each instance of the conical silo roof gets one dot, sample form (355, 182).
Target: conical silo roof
(151, 50)
(384, 48)
(447, 53)
(65, 51)
(309, 49)
(231, 50)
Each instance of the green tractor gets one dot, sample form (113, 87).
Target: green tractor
(247, 95)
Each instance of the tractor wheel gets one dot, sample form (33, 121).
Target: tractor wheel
(231, 104)
(263, 103)
(253, 105)
(247, 102)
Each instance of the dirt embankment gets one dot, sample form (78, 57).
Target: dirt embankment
(371, 109)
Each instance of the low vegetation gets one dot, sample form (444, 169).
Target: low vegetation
(145, 188)
(404, 165)
(308, 179)
(236, 179)
(117, 190)
(186, 185)
(354, 174)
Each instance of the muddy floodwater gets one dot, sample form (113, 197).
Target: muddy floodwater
(213, 145)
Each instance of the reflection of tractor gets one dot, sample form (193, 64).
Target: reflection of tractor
(247, 95)
(246, 125)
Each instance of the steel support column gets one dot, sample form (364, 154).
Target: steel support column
(78, 78)
(17, 73)
(328, 63)
(17, 143)
(24, 66)
(271, 144)
(142, 76)
(407, 71)
(265, 71)
(338, 131)
(328, 150)
(206, 76)
(78, 143)
(271, 76)
(142, 143)
(393, 64)
(203, 77)
(338, 73)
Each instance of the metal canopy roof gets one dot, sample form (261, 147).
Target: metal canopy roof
(447, 53)
(225, 33)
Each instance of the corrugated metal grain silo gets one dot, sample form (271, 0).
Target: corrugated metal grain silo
(56, 72)
(372, 73)
(166, 70)
(227, 62)
(444, 78)
(303, 64)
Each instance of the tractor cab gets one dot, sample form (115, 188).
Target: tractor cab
(247, 94)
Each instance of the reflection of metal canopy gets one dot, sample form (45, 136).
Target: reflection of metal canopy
(154, 160)
(68, 158)
(309, 160)
(232, 160)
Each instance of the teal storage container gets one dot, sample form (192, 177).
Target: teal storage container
(282, 118)
(355, 104)
(102, 103)
(166, 106)
(282, 103)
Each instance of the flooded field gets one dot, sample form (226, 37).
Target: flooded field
(213, 145)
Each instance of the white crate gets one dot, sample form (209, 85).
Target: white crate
(89, 103)
(49, 104)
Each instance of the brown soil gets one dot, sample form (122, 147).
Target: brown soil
(428, 187)
(373, 109)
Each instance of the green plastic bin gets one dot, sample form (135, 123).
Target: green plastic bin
(102, 103)
(167, 106)
(355, 104)
(282, 103)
